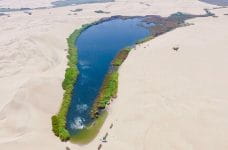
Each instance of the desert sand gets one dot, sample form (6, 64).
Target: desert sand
(167, 100)
(25, 3)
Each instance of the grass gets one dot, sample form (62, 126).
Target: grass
(121, 56)
(87, 134)
(110, 84)
(71, 74)
(144, 40)
(108, 91)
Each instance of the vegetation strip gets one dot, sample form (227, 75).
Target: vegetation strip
(107, 91)
(110, 85)
(59, 120)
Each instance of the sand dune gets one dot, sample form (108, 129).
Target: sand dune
(166, 99)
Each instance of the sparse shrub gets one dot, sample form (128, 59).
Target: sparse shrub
(55, 125)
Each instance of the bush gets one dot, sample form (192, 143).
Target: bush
(70, 77)
(64, 134)
(55, 125)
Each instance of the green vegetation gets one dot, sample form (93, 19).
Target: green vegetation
(110, 84)
(108, 91)
(145, 40)
(59, 120)
(121, 56)
(87, 134)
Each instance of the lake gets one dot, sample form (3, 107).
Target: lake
(61, 3)
(97, 47)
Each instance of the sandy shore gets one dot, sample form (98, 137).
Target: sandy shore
(166, 99)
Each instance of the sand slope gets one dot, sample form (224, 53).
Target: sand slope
(25, 3)
(166, 99)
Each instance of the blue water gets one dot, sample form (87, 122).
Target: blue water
(61, 3)
(217, 2)
(97, 47)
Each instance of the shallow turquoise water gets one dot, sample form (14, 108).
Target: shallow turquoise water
(97, 47)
